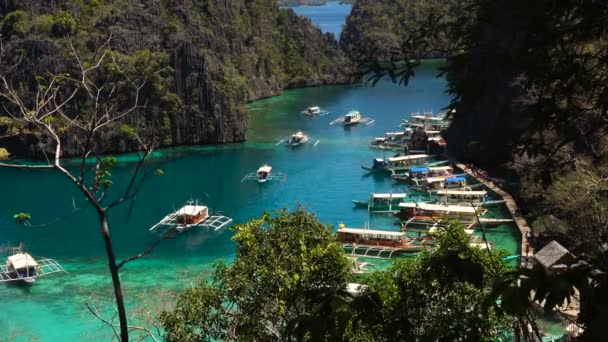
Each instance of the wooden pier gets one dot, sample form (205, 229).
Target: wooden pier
(526, 250)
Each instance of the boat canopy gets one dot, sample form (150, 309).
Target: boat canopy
(397, 195)
(313, 108)
(425, 118)
(191, 210)
(362, 231)
(479, 193)
(22, 260)
(440, 207)
(440, 168)
(455, 179)
(265, 168)
(353, 113)
(435, 179)
(420, 169)
(410, 157)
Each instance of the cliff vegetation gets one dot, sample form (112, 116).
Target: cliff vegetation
(204, 58)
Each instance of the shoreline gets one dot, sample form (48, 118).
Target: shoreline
(527, 251)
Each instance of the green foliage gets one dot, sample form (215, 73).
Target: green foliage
(438, 295)
(129, 132)
(4, 154)
(43, 24)
(283, 264)
(22, 218)
(15, 23)
(65, 24)
(288, 283)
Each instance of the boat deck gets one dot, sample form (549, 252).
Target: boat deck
(47, 266)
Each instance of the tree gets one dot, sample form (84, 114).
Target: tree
(286, 266)
(83, 107)
(439, 294)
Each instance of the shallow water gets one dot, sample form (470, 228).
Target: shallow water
(323, 179)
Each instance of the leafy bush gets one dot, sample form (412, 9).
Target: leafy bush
(15, 23)
(43, 24)
(4, 153)
(64, 24)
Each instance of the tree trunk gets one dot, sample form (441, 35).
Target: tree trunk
(120, 303)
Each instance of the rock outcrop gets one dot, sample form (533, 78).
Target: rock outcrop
(217, 55)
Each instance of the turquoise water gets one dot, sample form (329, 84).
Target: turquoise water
(329, 17)
(323, 179)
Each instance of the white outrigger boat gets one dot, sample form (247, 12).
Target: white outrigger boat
(352, 118)
(22, 267)
(401, 163)
(392, 140)
(265, 174)
(298, 139)
(433, 214)
(193, 215)
(469, 197)
(418, 174)
(314, 110)
(439, 183)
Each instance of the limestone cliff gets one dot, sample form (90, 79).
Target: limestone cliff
(217, 54)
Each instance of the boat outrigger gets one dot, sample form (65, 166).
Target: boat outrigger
(193, 215)
(265, 174)
(379, 203)
(22, 267)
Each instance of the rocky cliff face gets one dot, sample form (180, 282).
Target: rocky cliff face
(217, 55)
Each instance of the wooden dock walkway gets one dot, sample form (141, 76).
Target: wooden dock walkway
(526, 250)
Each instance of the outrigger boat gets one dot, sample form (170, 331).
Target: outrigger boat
(434, 212)
(439, 183)
(392, 140)
(22, 267)
(378, 203)
(193, 215)
(298, 139)
(374, 243)
(470, 197)
(397, 162)
(264, 174)
(417, 174)
(314, 110)
(353, 117)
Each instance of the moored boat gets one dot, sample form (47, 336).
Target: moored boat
(381, 202)
(298, 139)
(428, 211)
(369, 241)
